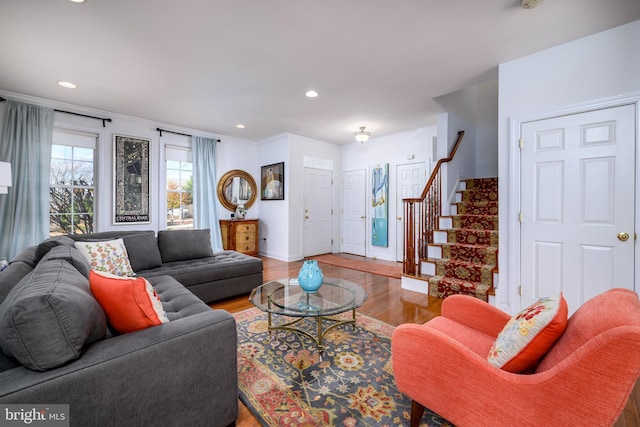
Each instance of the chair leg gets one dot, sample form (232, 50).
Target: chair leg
(416, 413)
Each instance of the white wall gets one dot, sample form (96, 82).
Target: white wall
(392, 149)
(549, 82)
(486, 151)
(274, 214)
(474, 110)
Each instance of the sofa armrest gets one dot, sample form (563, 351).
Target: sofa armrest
(180, 373)
(475, 314)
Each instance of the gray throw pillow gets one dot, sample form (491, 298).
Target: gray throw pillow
(179, 245)
(49, 316)
(143, 251)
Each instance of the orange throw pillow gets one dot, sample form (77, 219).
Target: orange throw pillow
(529, 335)
(130, 303)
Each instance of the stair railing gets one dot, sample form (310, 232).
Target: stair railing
(421, 216)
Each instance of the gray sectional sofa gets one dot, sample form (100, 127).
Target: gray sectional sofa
(58, 348)
(186, 255)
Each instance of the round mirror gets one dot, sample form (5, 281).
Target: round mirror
(235, 188)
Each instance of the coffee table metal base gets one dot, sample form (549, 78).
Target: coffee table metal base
(320, 333)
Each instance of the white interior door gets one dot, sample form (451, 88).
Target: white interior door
(316, 236)
(578, 196)
(410, 181)
(354, 205)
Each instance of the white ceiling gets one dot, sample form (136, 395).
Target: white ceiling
(210, 64)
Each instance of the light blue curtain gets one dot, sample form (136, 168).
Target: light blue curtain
(26, 144)
(204, 188)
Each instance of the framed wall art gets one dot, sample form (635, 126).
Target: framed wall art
(272, 182)
(380, 205)
(131, 180)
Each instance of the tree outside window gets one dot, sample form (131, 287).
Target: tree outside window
(71, 190)
(179, 194)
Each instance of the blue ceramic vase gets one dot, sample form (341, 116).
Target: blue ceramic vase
(310, 276)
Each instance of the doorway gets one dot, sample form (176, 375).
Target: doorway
(318, 211)
(354, 217)
(411, 179)
(578, 188)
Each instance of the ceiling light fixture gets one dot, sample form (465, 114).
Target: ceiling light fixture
(361, 135)
(68, 85)
(78, 1)
(311, 94)
(240, 126)
(530, 4)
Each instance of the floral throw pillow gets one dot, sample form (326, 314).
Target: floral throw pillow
(109, 256)
(529, 335)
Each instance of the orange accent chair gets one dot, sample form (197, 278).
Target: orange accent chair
(584, 379)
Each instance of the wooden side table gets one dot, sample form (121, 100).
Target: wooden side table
(240, 235)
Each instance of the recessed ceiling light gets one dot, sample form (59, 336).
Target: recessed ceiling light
(78, 1)
(240, 126)
(311, 94)
(68, 85)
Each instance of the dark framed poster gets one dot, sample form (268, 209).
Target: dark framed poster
(131, 180)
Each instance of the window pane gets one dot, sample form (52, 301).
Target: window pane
(83, 174)
(59, 200)
(61, 152)
(173, 164)
(186, 181)
(71, 191)
(179, 198)
(61, 172)
(82, 224)
(82, 200)
(59, 224)
(173, 180)
(83, 154)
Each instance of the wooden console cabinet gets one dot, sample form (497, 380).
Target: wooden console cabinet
(240, 235)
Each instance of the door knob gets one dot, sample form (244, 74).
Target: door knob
(362, 217)
(306, 217)
(399, 218)
(623, 237)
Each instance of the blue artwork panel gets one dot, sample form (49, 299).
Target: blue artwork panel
(380, 205)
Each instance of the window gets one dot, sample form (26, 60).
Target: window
(71, 184)
(179, 190)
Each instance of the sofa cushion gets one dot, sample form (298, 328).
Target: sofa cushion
(130, 304)
(109, 256)
(49, 316)
(180, 245)
(529, 335)
(222, 265)
(46, 245)
(70, 254)
(143, 251)
(178, 302)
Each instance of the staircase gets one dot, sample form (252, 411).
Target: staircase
(464, 252)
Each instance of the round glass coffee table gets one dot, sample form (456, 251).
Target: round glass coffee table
(284, 297)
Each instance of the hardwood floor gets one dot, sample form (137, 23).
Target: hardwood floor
(387, 302)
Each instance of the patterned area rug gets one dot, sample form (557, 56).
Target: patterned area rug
(285, 381)
(354, 264)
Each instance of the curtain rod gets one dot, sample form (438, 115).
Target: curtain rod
(177, 133)
(77, 114)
